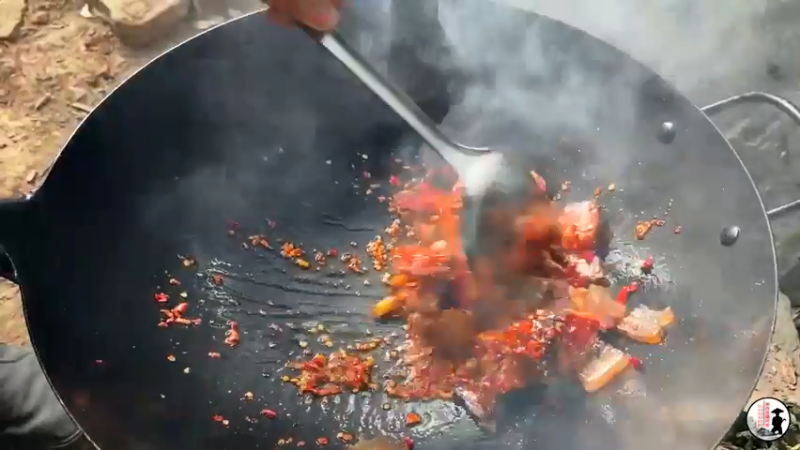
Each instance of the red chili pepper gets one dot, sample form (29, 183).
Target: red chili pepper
(394, 181)
(626, 291)
(408, 442)
(333, 253)
(269, 414)
(647, 265)
(635, 362)
(162, 297)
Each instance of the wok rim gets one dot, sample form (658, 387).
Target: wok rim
(30, 198)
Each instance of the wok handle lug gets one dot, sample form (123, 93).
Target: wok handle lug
(13, 217)
(7, 269)
(786, 106)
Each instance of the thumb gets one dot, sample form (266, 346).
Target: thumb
(320, 19)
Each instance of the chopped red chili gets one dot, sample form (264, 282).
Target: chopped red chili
(626, 291)
(413, 419)
(161, 297)
(635, 362)
(269, 414)
(647, 264)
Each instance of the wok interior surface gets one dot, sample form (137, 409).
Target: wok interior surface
(250, 122)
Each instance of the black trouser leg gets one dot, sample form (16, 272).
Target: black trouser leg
(31, 416)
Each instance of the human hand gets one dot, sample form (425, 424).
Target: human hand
(321, 15)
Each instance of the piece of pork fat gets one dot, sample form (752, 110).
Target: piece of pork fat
(646, 325)
(596, 302)
(604, 368)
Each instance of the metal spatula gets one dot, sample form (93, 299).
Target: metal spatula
(477, 168)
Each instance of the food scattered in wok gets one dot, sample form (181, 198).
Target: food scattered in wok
(483, 332)
(528, 307)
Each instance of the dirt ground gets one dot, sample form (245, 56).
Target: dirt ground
(58, 67)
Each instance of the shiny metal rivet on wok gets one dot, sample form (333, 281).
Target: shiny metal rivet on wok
(729, 235)
(667, 133)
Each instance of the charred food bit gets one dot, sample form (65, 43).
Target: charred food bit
(344, 437)
(376, 249)
(259, 240)
(644, 227)
(353, 263)
(288, 250)
(232, 334)
(176, 316)
(188, 261)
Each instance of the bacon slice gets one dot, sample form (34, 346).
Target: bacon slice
(609, 363)
(646, 325)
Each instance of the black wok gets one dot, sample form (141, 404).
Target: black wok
(231, 126)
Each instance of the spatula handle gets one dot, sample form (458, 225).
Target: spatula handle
(393, 96)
